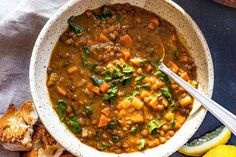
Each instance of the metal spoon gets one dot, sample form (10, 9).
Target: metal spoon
(223, 115)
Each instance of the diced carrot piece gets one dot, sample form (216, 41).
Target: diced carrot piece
(89, 85)
(61, 91)
(184, 76)
(148, 68)
(125, 53)
(180, 118)
(103, 38)
(104, 87)
(153, 103)
(103, 121)
(72, 69)
(126, 40)
(96, 90)
(135, 61)
(173, 67)
(155, 21)
(106, 111)
(89, 43)
(177, 125)
(151, 26)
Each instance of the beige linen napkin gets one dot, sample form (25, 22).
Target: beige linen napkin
(18, 32)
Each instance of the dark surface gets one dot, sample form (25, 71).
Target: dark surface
(218, 24)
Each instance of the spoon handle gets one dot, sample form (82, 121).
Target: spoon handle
(226, 117)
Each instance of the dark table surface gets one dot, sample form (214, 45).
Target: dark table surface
(218, 24)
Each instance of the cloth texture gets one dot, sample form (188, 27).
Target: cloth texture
(19, 30)
(18, 33)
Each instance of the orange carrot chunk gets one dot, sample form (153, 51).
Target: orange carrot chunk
(89, 43)
(72, 69)
(96, 90)
(155, 21)
(61, 91)
(177, 125)
(103, 121)
(173, 67)
(126, 40)
(104, 87)
(103, 38)
(125, 53)
(106, 111)
(184, 76)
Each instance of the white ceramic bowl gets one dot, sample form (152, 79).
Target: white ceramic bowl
(50, 34)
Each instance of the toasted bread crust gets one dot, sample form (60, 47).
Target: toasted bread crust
(16, 127)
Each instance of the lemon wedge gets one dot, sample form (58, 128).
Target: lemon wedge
(221, 151)
(201, 145)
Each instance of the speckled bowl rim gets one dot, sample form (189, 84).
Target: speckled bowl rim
(201, 112)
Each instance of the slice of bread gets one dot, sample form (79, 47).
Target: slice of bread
(44, 145)
(16, 127)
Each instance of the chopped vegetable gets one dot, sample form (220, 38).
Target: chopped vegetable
(153, 125)
(137, 103)
(84, 60)
(104, 87)
(96, 90)
(89, 110)
(117, 72)
(126, 79)
(54, 77)
(126, 40)
(103, 38)
(140, 79)
(130, 97)
(173, 123)
(72, 69)
(106, 14)
(96, 81)
(173, 66)
(167, 93)
(61, 109)
(113, 123)
(142, 144)
(86, 50)
(103, 121)
(125, 53)
(127, 69)
(186, 100)
(94, 67)
(73, 124)
(135, 129)
(155, 21)
(106, 111)
(61, 91)
(115, 138)
(136, 61)
(105, 145)
(184, 76)
(111, 93)
(74, 26)
(145, 86)
(162, 76)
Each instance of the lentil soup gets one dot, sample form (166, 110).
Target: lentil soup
(104, 82)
